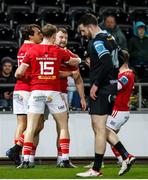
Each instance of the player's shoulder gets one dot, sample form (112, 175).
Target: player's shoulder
(35, 48)
(129, 73)
(56, 47)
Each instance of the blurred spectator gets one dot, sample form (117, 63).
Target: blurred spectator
(6, 76)
(138, 49)
(109, 24)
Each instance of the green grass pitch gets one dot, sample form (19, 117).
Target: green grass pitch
(51, 172)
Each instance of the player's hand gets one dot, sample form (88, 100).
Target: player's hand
(93, 91)
(87, 61)
(83, 104)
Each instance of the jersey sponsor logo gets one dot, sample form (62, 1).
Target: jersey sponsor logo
(123, 80)
(61, 107)
(39, 98)
(112, 123)
(18, 98)
(47, 77)
(100, 48)
(45, 58)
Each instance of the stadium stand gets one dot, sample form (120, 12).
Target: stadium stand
(64, 13)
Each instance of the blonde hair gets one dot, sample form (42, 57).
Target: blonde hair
(48, 30)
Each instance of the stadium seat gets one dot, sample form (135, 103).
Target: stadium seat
(4, 18)
(118, 3)
(138, 13)
(22, 15)
(8, 48)
(6, 33)
(137, 3)
(27, 3)
(78, 3)
(48, 2)
(119, 13)
(75, 12)
(52, 14)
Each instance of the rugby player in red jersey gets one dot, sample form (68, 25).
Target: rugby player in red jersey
(44, 61)
(31, 35)
(120, 114)
(62, 40)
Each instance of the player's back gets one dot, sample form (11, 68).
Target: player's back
(123, 96)
(45, 61)
(24, 82)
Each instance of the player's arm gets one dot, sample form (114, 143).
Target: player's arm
(122, 82)
(69, 59)
(73, 73)
(80, 88)
(65, 74)
(21, 70)
(74, 61)
(105, 60)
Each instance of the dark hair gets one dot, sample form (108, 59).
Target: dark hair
(28, 30)
(63, 30)
(126, 56)
(7, 59)
(48, 30)
(87, 19)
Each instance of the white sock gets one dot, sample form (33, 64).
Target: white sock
(120, 159)
(65, 157)
(26, 157)
(31, 158)
(59, 159)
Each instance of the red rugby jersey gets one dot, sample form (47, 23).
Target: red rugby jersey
(127, 81)
(24, 82)
(64, 67)
(45, 61)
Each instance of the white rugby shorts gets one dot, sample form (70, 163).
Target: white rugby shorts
(117, 119)
(20, 102)
(46, 112)
(40, 98)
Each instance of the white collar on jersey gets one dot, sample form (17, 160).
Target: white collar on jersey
(28, 42)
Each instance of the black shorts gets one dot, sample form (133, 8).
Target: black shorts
(104, 102)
